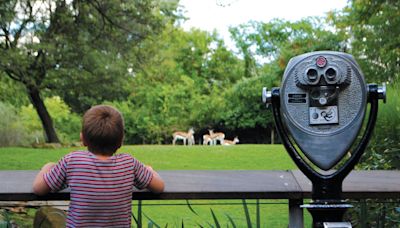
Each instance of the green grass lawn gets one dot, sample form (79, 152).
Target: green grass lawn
(274, 213)
(167, 157)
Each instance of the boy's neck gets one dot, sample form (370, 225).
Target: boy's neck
(101, 156)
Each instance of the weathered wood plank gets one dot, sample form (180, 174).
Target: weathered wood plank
(182, 184)
(227, 184)
(379, 184)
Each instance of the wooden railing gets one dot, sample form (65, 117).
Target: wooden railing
(15, 187)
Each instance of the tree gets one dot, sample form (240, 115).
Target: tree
(277, 41)
(11, 92)
(374, 28)
(244, 43)
(83, 51)
(180, 86)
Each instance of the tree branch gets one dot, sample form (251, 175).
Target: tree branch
(23, 25)
(105, 17)
(10, 74)
(6, 35)
(42, 67)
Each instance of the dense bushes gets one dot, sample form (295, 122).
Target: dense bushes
(12, 131)
(154, 113)
(383, 150)
(21, 126)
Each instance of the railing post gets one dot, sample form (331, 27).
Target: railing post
(296, 219)
(139, 214)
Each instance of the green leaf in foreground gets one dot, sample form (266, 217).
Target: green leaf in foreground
(215, 219)
(151, 221)
(246, 212)
(231, 220)
(258, 213)
(190, 207)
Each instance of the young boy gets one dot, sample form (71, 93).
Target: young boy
(101, 181)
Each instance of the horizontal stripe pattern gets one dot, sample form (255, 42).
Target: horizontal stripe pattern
(101, 190)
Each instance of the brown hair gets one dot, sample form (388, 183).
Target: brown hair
(103, 129)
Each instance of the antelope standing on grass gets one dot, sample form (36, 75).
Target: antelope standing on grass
(184, 136)
(217, 136)
(230, 142)
(207, 139)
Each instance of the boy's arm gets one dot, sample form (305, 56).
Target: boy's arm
(156, 184)
(39, 185)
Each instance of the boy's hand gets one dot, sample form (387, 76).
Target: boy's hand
(156, 185)
(39, 185)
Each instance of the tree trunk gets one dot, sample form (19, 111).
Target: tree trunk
(45, 118)
(272, 135)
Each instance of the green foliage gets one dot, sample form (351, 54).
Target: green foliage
(374, 28)
(81, 51)
(374, 213)
(383, 150)
(246, 212)
(180, 87)
(68, 124)
(138, 220)
(131, 54)
(12, 93)
(217, 225)
(155, 112)
(277, 41)
(107, 49)
(162, 78)
(231, 222)
(12, 131)
(223, 67)
(5, 221)
(244, 108)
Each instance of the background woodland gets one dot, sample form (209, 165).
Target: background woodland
(58, 58)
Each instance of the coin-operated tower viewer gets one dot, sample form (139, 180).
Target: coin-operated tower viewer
(319, 109)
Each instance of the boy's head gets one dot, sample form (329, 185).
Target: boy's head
(102, 129)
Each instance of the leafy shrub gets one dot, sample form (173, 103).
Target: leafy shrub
(374, 213)
(12, 132)
(382, 153)
(154, 112)
(245, 109)
(66, 123)
(383, 150)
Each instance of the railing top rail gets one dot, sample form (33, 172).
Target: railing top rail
(227, 184)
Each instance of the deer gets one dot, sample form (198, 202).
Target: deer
(185, 136)
(230, 142)
(207, 139)
(216, 136)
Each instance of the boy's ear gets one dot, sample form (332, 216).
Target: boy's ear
(122, 141)
(82, 139)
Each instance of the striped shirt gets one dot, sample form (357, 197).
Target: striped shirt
(101, 190)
